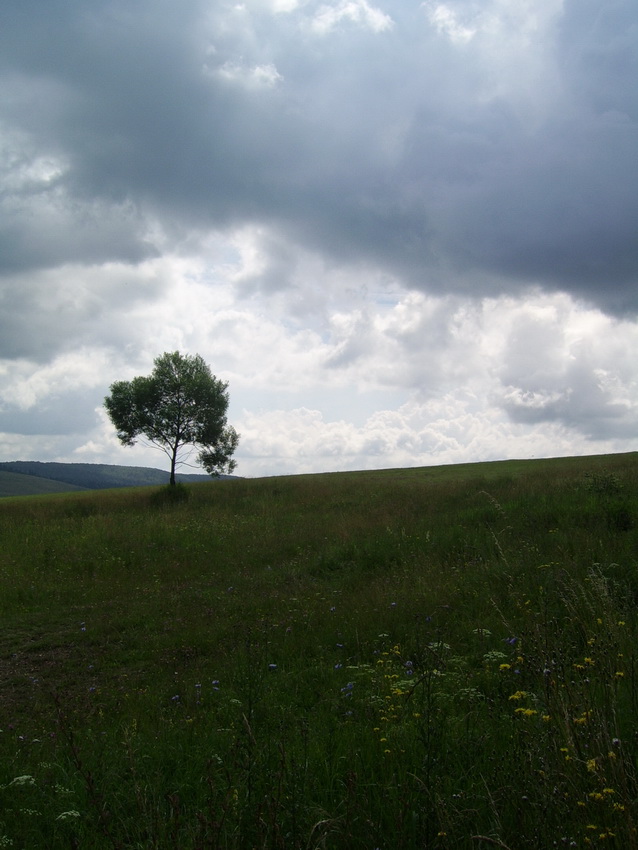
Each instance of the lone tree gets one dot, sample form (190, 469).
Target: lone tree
(180, 404)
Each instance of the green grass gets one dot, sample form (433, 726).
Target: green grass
(422, 658)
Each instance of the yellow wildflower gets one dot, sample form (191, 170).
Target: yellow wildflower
(518, 695)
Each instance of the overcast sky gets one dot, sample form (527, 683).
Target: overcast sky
(406, 233)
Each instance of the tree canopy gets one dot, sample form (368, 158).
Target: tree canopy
(181, 405)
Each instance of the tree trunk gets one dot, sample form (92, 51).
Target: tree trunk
(173, 461)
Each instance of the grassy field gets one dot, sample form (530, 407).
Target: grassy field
(421, 658)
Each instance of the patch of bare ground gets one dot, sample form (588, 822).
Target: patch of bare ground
(31, 674)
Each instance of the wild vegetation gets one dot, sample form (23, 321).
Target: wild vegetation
(425, 658)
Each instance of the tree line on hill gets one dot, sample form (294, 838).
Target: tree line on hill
(96, 476)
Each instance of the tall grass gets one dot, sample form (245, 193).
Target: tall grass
(436, 658)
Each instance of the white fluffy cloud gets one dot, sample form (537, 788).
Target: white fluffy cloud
(360, 12)
(391, 379)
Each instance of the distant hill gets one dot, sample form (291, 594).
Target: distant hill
(28, 478)
(15, 484)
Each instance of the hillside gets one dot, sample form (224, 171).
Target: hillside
(19, 484)
(441, 658)
(22, 478)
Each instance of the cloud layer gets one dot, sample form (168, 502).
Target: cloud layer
(405, 232)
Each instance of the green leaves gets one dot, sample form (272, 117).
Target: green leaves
(217, 458)
(123, 411)
(180, 404)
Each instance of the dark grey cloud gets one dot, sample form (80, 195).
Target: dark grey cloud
(45, 313)
(439, 160)
(547, 379)
(71, 413)
(597, 46)
(580, 403)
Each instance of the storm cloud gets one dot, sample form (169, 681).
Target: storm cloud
(361, 184)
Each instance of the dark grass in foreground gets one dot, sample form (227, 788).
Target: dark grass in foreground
(428, 658)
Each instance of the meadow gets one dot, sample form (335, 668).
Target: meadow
(423, 658)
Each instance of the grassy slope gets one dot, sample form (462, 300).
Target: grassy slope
(17, 484)
(402, 658)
